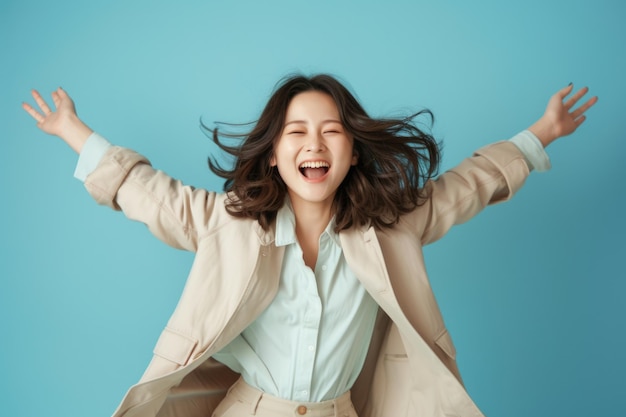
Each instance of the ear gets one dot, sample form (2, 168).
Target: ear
(355, 158)
(273, 161)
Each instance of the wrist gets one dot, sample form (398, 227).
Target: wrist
(543, 131)
(76, 133)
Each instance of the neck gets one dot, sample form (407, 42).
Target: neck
(311, 220)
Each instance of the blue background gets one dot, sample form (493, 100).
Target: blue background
(532, 290)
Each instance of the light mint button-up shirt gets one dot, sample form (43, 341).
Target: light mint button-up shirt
(311, 342)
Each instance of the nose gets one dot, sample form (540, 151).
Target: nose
(315, 143)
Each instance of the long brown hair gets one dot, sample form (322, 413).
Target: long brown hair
(395, 159)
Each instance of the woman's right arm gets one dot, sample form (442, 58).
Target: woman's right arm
(124, 180)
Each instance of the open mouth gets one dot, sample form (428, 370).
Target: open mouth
(314, 169)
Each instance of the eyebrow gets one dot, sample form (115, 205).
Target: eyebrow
(304, 121)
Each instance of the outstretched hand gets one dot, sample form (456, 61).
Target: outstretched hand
(62, 121)
(559, 119)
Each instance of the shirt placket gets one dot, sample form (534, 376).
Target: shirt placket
(307, 342)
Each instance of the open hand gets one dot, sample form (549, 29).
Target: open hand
(559, 119)
(62, 122)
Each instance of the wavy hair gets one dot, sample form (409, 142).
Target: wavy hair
(396, 159)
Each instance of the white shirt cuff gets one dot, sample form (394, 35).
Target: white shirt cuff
(90, 156)
(533, 151)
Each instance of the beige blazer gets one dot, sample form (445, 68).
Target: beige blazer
(410, 368)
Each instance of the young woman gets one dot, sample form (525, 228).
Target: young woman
(308, 294)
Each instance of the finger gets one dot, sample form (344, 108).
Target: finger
(56, 99)
(64, 98)
(582, 109)
(41, 103)
(580, 121)
(564, 92)
(571, 102)
(34, 114)
(63, 94)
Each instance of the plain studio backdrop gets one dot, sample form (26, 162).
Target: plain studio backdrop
(532, 290)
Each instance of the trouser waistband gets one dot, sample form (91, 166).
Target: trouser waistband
(258, 400)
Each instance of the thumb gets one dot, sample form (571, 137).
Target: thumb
(562, 93)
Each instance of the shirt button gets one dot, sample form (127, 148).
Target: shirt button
(323, 267)
(311, 348)
(302, 410)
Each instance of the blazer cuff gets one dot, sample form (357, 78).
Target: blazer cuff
(91, 154)
(111, 172)
(533, 151)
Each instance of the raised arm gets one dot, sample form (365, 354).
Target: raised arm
(559, 119)
(62, 122)
(124, 180)
(495, 172)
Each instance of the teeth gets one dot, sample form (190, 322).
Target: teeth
(316, 164)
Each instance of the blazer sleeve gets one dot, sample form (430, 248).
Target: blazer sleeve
(493, 174)
(175, 213)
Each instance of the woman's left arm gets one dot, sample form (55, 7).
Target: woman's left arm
(495, 172)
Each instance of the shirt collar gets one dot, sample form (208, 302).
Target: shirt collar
(286, 227)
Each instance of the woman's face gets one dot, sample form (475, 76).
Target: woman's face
(314, 152)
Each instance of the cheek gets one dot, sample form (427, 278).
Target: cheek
(286, 177)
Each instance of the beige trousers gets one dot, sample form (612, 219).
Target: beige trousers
(243, 400)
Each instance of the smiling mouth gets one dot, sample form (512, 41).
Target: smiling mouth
(314, 170)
